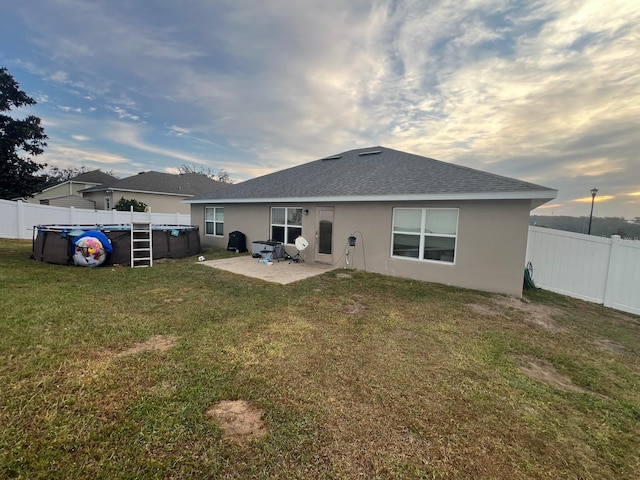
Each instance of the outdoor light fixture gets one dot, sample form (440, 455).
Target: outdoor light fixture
(594, 192)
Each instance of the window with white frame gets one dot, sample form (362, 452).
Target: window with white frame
(286, 224)
(425, 233)
(214, 221)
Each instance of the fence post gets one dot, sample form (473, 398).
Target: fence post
(20, 225)
(612, 271)
(72, 216)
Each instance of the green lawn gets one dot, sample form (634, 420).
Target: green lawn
(110, 372)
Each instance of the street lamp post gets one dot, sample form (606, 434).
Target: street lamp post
(594, 191)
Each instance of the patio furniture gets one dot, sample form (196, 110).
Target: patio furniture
(272, 248)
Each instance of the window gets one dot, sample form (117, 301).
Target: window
(214, 221)
(286, 224)
(425, 233)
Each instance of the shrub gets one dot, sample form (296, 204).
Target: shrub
(125, 204)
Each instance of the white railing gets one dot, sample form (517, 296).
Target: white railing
(17, 219)
(596, 269)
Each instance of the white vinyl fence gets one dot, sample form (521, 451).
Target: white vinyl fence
(596, 269)
(17, 219)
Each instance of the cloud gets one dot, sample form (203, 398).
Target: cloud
(546, 91)
(310, 95)
(593, 168)
(65, 156)
(68, 109)
(133, 136)
(59, 76)
(178, 131)
(547, 206)
(598, 198)
(122, 113)
(561, 104)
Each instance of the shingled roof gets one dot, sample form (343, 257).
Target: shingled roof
(187, 184)
(95, 176)
(377, 174)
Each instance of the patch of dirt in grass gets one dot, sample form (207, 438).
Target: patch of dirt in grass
(536, 314)
(96, 363)
(355, 309)
(546, 373)
(240, 420)
(88, 368)
(173, 300)
(627, 319)
(402, 333)
(343, 275)
(610, 346)
(157, 343)
(486, 309)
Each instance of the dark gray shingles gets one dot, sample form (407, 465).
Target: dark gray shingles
(388, 173)
(95, 176)
(158, 182)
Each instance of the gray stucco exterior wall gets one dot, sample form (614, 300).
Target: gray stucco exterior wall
(490, 250)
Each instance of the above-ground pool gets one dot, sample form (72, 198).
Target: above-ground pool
(56, 243)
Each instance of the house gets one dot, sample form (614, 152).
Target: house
(161, 192)
(67, 194)
(388, 212)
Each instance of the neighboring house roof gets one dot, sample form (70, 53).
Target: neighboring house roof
(187, 184)
(95, 176)
(92, 178)
(376, 174)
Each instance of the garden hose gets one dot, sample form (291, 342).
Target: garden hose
(528, 277)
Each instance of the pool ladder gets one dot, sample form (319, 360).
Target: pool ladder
(141, 244)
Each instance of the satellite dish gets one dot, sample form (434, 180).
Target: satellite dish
(301, 243)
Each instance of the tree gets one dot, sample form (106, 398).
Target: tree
(56, 175)
(221, 176)
(18, 140)
(125, 204)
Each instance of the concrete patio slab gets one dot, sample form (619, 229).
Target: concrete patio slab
(281, 272)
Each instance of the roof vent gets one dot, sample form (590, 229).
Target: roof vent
(370, 152)
(335, 157)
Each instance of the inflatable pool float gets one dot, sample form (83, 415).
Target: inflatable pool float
(91, 249)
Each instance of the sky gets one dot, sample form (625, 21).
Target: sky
(546, 91)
